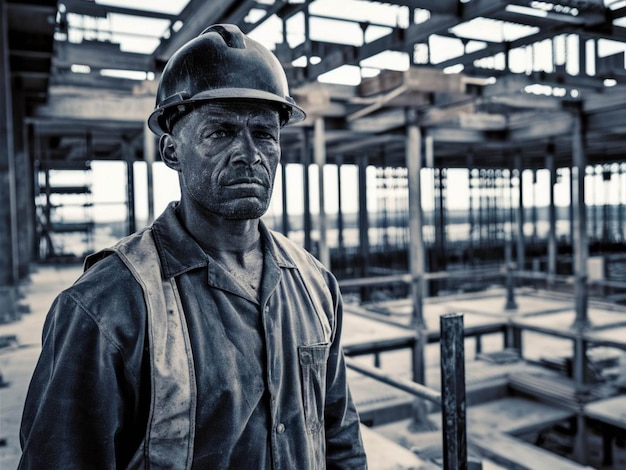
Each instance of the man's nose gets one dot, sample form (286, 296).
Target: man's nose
(245, 149)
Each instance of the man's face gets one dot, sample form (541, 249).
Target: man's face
(228, 153)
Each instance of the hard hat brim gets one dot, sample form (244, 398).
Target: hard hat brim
(155, 120)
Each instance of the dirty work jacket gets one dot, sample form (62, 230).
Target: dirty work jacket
(274, 397)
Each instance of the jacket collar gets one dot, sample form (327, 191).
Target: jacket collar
(179, 252)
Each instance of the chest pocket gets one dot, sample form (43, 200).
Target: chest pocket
(313, 359)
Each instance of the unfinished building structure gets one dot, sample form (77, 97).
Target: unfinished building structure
(506, 94)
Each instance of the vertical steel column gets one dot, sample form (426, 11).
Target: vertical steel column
(581, 246)
(429, 160)
(534, 208)
(47, 210)
(552, 245)
(340, 241)
(9, 264)
(440, 220)
(481, 205)
(453, 405)
(620, 203)
(521, 255)
(510, 279)
(306, 160)
(416, 245)
(364, 226)
(470, 209)
(148, 155)
(285, 211)
(571, 212)
(508, 220)
(319, 148)
(30, 146)
(594, 206)
(581, 250)
(131, 223)
(606, 207)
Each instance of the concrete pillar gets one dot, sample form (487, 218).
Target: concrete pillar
(340, 227)
(416, 247)
(285, 211)
(534, 208)
(306, 160)
(552, 242)
(364, 244)
(581, 247)
(9, 272)
(131, 222)
(319, 148)
(470, 209)
(26, 201)
(581, 255)
(521, 246)
(621, 171)
(149, 152)
(23, 189)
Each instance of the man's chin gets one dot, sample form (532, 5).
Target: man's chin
(244, 211)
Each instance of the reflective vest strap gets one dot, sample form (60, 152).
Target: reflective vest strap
(171, 424)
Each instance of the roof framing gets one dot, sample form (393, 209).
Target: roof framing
(464, 114)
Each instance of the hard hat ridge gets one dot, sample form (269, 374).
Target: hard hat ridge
(231, 38)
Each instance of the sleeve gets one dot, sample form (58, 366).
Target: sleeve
(344, 446)
(81, 396)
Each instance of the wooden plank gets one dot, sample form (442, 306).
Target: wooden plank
(556, 389)
(424, 79)
(483, 121)
(98, 107)
(515, 415)
(516, 454)
(384, 454)
(560, 323)
(360, 331)
(615, 337)
(380, 122)
(611, 411)
(100, 55)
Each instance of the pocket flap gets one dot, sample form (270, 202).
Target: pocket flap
(314, 354)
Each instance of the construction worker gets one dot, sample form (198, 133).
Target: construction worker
(205, 340)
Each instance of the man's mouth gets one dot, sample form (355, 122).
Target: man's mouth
(245, 182)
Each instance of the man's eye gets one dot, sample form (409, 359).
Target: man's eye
(217, 134)
(265, 135)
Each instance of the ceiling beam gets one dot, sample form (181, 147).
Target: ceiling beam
(196, 16)
(100, 55)
(90, 8)
(97, 107)
(401, 39)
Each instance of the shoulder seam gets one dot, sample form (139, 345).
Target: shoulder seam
(102, 331)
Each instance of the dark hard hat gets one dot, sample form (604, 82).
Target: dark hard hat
(221, 63)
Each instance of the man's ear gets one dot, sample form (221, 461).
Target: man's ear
(167, 149)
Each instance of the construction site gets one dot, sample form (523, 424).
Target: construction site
(461, 171)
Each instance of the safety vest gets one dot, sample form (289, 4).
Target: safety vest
(169, 438)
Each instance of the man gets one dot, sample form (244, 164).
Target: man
(206, 340)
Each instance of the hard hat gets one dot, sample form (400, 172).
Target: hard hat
(221, 63)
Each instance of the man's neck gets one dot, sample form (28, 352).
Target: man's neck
(217, 235)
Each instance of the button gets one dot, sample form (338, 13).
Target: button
(280, 428)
